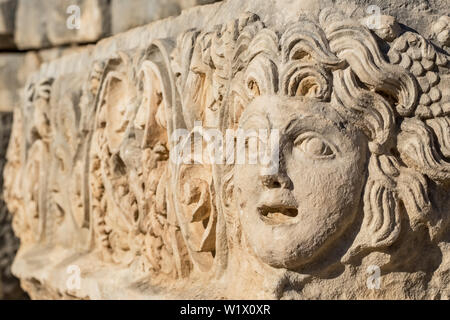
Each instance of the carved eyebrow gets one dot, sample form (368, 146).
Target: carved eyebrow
(297, 123)
(291, 125)
(259, 118)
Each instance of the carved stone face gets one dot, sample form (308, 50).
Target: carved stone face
(290, 217)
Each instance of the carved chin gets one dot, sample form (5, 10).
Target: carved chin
(280, 248)
(277, 237)
(286, 238)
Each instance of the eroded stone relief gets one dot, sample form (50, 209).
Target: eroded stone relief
(362, 177)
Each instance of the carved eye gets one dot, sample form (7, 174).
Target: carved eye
(254, 88)
(314, 146)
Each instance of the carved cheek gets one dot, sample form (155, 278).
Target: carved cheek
(116, 107)
(141, 115)
(247, 193)
(326, 185)
(328, 196)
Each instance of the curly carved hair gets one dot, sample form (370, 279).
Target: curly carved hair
(339, 61)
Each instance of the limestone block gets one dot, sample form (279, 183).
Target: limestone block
(30, 27)
(185, 4)
(245, 149)
(94, 21)
(7, 12)
(7, 16)
(41, 24)
(15, 68)
(47, 55)
(127, 14)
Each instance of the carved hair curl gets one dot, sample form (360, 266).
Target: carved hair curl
(341, 63)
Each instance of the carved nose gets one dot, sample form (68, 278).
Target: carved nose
(277, 180)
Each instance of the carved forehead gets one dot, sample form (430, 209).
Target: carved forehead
(279, 112)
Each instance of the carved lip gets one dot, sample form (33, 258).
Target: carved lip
(278, 207)
(277, 214)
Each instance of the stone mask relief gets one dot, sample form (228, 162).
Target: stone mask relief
(362, 158)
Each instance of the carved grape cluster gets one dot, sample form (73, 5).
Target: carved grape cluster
(412, 52)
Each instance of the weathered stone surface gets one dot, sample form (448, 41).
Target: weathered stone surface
(7, 16)
(41, 24)
(126, 15)
(441, 30)
(356, 178)
(94, 21)
(15, 69)
(185, 4)
(30, 28)
(7, 11)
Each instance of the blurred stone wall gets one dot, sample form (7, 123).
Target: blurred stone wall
(34, 32)
(9, 285)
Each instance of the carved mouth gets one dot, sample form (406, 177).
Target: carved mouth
(277, 214)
